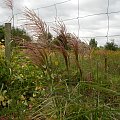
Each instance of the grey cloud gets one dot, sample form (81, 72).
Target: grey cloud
(89, 26)
(93, 6)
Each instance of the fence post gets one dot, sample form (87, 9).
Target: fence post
(8, 41)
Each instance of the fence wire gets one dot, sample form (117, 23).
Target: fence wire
(55, 8)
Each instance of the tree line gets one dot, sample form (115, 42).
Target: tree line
(19, 35)
(108, 46)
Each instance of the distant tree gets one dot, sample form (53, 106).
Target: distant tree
(101, 47)
(111, 46)
(63, 40)
(1, 34)
(47, 35)
(50, 36)
(17, 35)
(93, 43)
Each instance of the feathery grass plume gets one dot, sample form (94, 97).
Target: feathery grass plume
(62, 35)
(9, 3)
(61, 31)
(60, 48)
(75, 46)
(84, 49)
(65, 55)
(37, 53)
(39, 30)
(37, 27)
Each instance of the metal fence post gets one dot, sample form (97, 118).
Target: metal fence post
(8, 41)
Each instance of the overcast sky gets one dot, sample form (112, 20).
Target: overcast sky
(90, 26)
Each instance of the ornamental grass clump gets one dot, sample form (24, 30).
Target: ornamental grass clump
(90, 97)
(38, 51)
(62, 41)
(75, 46)
(37, 27)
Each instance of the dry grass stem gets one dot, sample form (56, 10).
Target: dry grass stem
(9, 3)
(37, 54)
(62, 34)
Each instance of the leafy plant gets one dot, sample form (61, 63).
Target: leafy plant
(111, 46)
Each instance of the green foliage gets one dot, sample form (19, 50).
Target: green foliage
(49, 36)
(1, 34)
(5, 72)
(17, 34)
(19, 83)
(111, 46)
(51, 91)
(62, 39)
(93, 43)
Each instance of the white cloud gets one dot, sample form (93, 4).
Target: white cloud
(89, 26)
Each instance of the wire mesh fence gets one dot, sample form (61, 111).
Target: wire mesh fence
(84, 25)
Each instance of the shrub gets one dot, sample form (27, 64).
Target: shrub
(111, 46)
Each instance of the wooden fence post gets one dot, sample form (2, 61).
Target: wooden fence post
(8, 41)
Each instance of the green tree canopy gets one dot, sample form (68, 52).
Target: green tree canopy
(1, 34)
(17, 35)
(63, 40)
(93, 43)
(111, 46)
